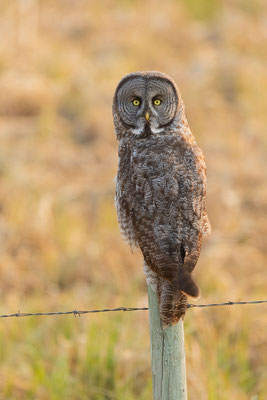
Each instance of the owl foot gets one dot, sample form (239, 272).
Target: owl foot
(186, 284)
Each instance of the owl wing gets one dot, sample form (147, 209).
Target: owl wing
(169, 219)
(166, 259)
(124, 195)
(124, 215)
(196, 223)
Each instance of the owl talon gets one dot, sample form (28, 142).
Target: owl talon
(191, 297)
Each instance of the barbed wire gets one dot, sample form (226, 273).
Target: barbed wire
(81, 312)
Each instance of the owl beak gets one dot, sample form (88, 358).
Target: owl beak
(147, 116)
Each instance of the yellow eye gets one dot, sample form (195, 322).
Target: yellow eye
(157, 102)
(136, 102)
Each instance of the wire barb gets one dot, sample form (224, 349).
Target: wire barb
(79, 313)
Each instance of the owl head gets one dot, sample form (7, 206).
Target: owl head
(147, 103)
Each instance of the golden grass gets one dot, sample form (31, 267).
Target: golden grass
(60, 243)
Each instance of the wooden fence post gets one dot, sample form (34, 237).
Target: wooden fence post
(167, 355)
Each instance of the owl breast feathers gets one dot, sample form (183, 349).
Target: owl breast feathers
(161, 186)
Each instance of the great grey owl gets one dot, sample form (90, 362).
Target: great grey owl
(160, 186)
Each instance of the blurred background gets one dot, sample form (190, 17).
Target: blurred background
(61, 248)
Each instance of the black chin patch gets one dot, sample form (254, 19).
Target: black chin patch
(147, 130)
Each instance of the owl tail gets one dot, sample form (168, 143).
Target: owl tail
(186, 284)
(172, 303)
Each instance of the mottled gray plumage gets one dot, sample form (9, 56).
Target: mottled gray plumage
(161, 186)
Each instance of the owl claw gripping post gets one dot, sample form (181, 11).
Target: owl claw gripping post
(161, 186)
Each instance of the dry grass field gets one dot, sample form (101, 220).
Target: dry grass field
(61, 249)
